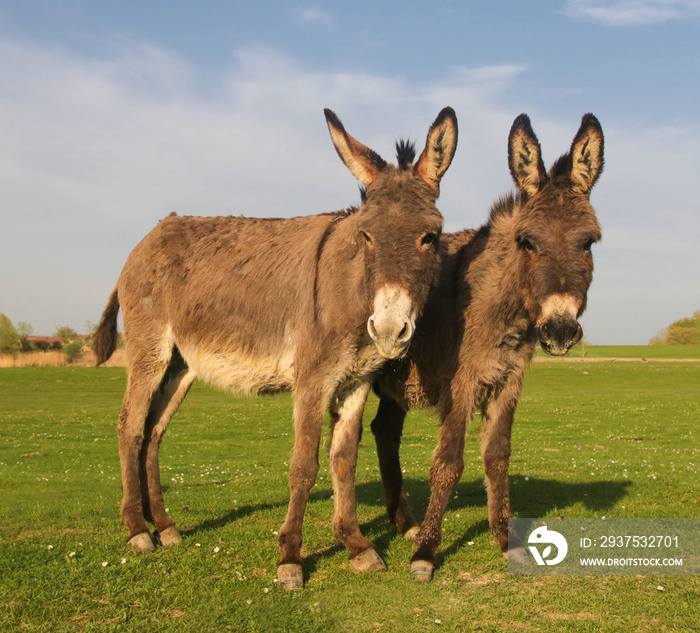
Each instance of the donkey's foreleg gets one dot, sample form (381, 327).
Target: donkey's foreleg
(445, 472)
(347, 426)
(309, 407)
(495, 448)
(387, 427)
(165, 403)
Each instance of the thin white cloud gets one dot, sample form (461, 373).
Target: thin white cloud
(314, 16)
(632, 12)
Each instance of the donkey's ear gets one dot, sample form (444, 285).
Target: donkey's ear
(439, 149)
(587, 155)
(525, 156)
(365, 164)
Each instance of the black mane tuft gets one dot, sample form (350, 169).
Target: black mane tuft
(561, 168)
(363, 194)
(405, 153)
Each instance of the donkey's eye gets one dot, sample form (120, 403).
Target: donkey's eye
(527, 245)
(589, 243)
(428, 239)
(368, 238)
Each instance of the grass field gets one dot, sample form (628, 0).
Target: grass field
(678, 352)
(590, 440)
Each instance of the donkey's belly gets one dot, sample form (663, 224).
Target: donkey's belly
(238, 371)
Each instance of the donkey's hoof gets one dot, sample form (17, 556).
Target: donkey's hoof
(517, 556)
(412, 534)
(141, 543)
(169, 536)
(290, 576)
(421, 571)
(369, 560)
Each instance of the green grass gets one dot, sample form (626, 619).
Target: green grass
(676, 352)
(590, 440)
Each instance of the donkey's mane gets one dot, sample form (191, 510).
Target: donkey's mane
(405, 153)
(503, 206)
(344, 213)
(561, 167)
(506, 203)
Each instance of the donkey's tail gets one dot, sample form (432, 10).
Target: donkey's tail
(105, 340)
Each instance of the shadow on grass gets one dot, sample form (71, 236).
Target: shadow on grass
(532, 498)
(382, 534)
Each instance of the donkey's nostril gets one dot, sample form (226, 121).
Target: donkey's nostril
(371, 328)
(405, 333)
(559, 335)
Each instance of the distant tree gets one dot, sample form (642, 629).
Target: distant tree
(688, 323)
(73, 351)
(66, 334)
(681, 332)
(678, 335)
(24, 329)
(9, 339)
(90, 329)
(660, 338)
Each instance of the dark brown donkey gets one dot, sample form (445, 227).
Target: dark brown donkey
(315, 304)
(520, 279)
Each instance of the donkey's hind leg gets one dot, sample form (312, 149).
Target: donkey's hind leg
(387, 428)
(346, 416)
(143, 380)
(166, 401)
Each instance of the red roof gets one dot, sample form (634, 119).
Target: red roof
(44, 339)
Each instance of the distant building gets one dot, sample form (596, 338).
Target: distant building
(46, 342)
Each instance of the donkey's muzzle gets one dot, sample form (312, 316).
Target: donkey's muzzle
(392, 342)
(558, 335)
(392, 324)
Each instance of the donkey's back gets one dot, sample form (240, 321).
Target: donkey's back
(229, 292)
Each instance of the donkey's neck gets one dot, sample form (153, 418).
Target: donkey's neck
(497, 297)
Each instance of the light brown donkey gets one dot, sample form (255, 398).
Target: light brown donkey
(520, 280)
(315, 304)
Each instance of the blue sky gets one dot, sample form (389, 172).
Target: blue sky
(112, 115)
